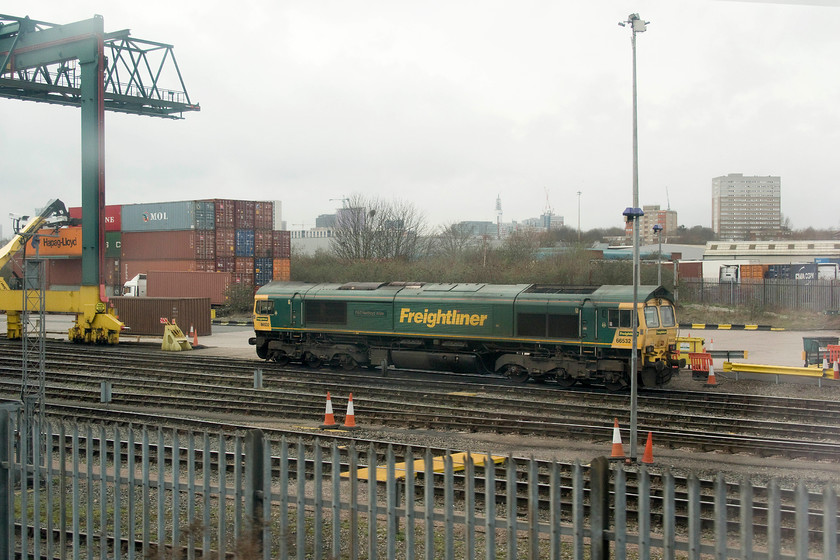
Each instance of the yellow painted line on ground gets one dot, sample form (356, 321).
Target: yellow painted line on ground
(463, 394)
(750, 327)
(698, 325)
(458, 464)
(724, 327)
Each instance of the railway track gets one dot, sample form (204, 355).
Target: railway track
(208, 385)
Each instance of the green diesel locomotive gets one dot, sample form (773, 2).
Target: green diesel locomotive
(523, 331)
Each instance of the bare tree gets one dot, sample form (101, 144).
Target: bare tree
(370, 228)
(453, 239)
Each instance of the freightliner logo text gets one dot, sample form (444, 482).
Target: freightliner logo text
(441, 317)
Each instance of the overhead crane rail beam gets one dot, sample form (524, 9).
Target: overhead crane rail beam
(133, 77)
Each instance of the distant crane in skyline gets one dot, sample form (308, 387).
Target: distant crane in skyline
(498, 216)
(344, 200)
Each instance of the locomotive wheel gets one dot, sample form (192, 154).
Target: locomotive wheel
(516, 373)
(565, 380)
(614, 386)
(311, 360)
(346, 362)
(280, 358)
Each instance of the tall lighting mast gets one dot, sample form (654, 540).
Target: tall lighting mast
(636, 25)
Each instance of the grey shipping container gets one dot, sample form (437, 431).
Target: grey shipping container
(205, 214)
(145, 315)
(159, 216)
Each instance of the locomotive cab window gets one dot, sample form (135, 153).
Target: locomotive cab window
(326, 312)
(264, 307)
(651, 317)
(666, 312)
(620, 318)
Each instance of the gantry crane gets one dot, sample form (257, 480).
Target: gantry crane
(80, 65)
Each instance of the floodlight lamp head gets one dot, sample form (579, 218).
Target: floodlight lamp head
(631, 214)
(657, 228)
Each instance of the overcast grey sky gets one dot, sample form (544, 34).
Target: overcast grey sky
(448, 104)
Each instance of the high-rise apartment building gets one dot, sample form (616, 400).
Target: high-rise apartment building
(666, 219)
(747, 207)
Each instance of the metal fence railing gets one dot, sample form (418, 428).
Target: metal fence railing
(99, 491)
(815, 295)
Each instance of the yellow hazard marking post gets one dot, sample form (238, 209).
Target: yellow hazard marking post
(459, 463)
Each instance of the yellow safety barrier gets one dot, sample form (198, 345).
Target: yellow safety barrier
(774, 370)
(459, 463)
(174, 339)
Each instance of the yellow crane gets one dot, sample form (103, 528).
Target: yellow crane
(93, 322)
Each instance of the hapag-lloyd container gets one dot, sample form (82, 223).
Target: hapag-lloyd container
(159, 216)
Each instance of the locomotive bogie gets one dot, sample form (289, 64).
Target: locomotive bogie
(544, 333)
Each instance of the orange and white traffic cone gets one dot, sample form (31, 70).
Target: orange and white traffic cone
(195, 336)
(836, 370)
(617, 448)
(825, 364)
(647, 458)
(329, 417)
(711, 381)
(350, 419)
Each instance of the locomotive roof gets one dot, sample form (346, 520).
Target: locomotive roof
(420, 290)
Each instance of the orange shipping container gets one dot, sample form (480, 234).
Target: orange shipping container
(282, 270)
(753, 270)
(66, 243)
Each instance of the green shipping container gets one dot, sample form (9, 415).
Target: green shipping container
(113, 244)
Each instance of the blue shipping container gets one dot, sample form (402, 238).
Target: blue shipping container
(244, 243)
(263, 271)
(778, 271)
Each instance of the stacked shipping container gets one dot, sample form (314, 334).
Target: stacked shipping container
(231, 236)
